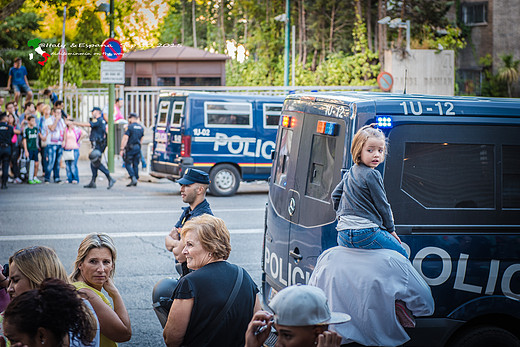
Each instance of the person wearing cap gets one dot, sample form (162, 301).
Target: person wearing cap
(131, 148)
(301, 317)
(194, 184)
(372, 286)
(98, 139)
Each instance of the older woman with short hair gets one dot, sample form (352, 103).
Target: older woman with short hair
(213, 305)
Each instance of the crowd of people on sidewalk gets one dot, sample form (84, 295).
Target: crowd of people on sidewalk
(44, 133)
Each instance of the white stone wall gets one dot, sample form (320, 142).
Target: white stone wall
(428, 71)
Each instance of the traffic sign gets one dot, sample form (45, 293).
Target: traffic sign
(385, 81)
(112, 50)
(113, 72)
(62, 56)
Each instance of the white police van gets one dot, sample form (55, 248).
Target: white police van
(229, 136)
(452, 177)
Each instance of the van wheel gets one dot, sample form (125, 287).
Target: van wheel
(224, 180)
(485, 336)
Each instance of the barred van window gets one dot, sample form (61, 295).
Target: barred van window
(446, 175)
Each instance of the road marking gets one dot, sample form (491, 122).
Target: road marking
(113, 235)
(167, 211)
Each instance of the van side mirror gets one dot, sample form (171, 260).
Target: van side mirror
(273, 155)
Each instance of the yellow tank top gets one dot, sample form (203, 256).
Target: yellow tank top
(103, 340)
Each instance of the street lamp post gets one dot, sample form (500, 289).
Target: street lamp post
(398, 23)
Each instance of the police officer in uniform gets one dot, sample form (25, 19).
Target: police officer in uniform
(194, 185)
(6, 134)
(131, 148)
(98, 139)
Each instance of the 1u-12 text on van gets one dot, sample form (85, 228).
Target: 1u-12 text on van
(452, 177)
(229, 136)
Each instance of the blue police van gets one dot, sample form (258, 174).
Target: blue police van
(452, 177)
(229, 136)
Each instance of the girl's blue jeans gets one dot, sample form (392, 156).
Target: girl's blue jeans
(370, 238)
(72, 167)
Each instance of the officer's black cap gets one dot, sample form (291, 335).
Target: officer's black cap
(193, 176)
(133, 115)
(96, 109)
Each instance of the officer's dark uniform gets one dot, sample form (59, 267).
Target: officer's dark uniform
(193, 176)
(98, 139)
(6, 134)
(135, 132)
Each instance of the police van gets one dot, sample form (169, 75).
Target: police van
(452, 177)
(230, 136)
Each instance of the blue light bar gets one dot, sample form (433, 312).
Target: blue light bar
(331, 129)
(384, 122)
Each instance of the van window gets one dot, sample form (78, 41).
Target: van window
(321, 168)
(164, 107)
(228, 114)
(272, 115)
(178, 108)
(282, 162)
(511, 176)
(447, 175)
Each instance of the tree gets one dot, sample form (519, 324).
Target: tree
(509, 72)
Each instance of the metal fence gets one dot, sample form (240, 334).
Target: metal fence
(143, 100)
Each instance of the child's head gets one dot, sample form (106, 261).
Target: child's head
(372, 140)
(32, 121)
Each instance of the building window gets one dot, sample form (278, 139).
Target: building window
(200, 81)
(128, 81)
(474, 13)
(144, 81)
(165, 81)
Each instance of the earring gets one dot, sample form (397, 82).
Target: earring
(210, 255)
(43, 341)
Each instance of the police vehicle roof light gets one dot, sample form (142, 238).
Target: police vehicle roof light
(327, 128)
(286, 121)
(384, 122)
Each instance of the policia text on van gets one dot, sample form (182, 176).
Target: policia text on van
(452, 176)
(230, 136)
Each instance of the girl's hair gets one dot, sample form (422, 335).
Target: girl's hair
(46, 108)
(89, 242)
(56, 307)
(212, 233)
(361, 138)
(38, 263)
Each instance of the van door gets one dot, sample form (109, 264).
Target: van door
(174, 139)
(282, 211)
(319, 166)
(160, 136)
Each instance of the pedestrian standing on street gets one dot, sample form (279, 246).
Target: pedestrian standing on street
(71, 151)
(6, 134)
(30, 146)
(42, 129)
(194, 185)
(13, 120)
(18, 79)
(131, 148)
(94, 271)
(98, 139)
(55, 128)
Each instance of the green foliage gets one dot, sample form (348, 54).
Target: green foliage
(451, 40)
(509, 72)
(491, 85)
(83, 63)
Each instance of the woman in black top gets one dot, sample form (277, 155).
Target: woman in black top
(204, 312)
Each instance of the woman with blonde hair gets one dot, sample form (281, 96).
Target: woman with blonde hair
(93, 271)
(213, 305)
(29, 267)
